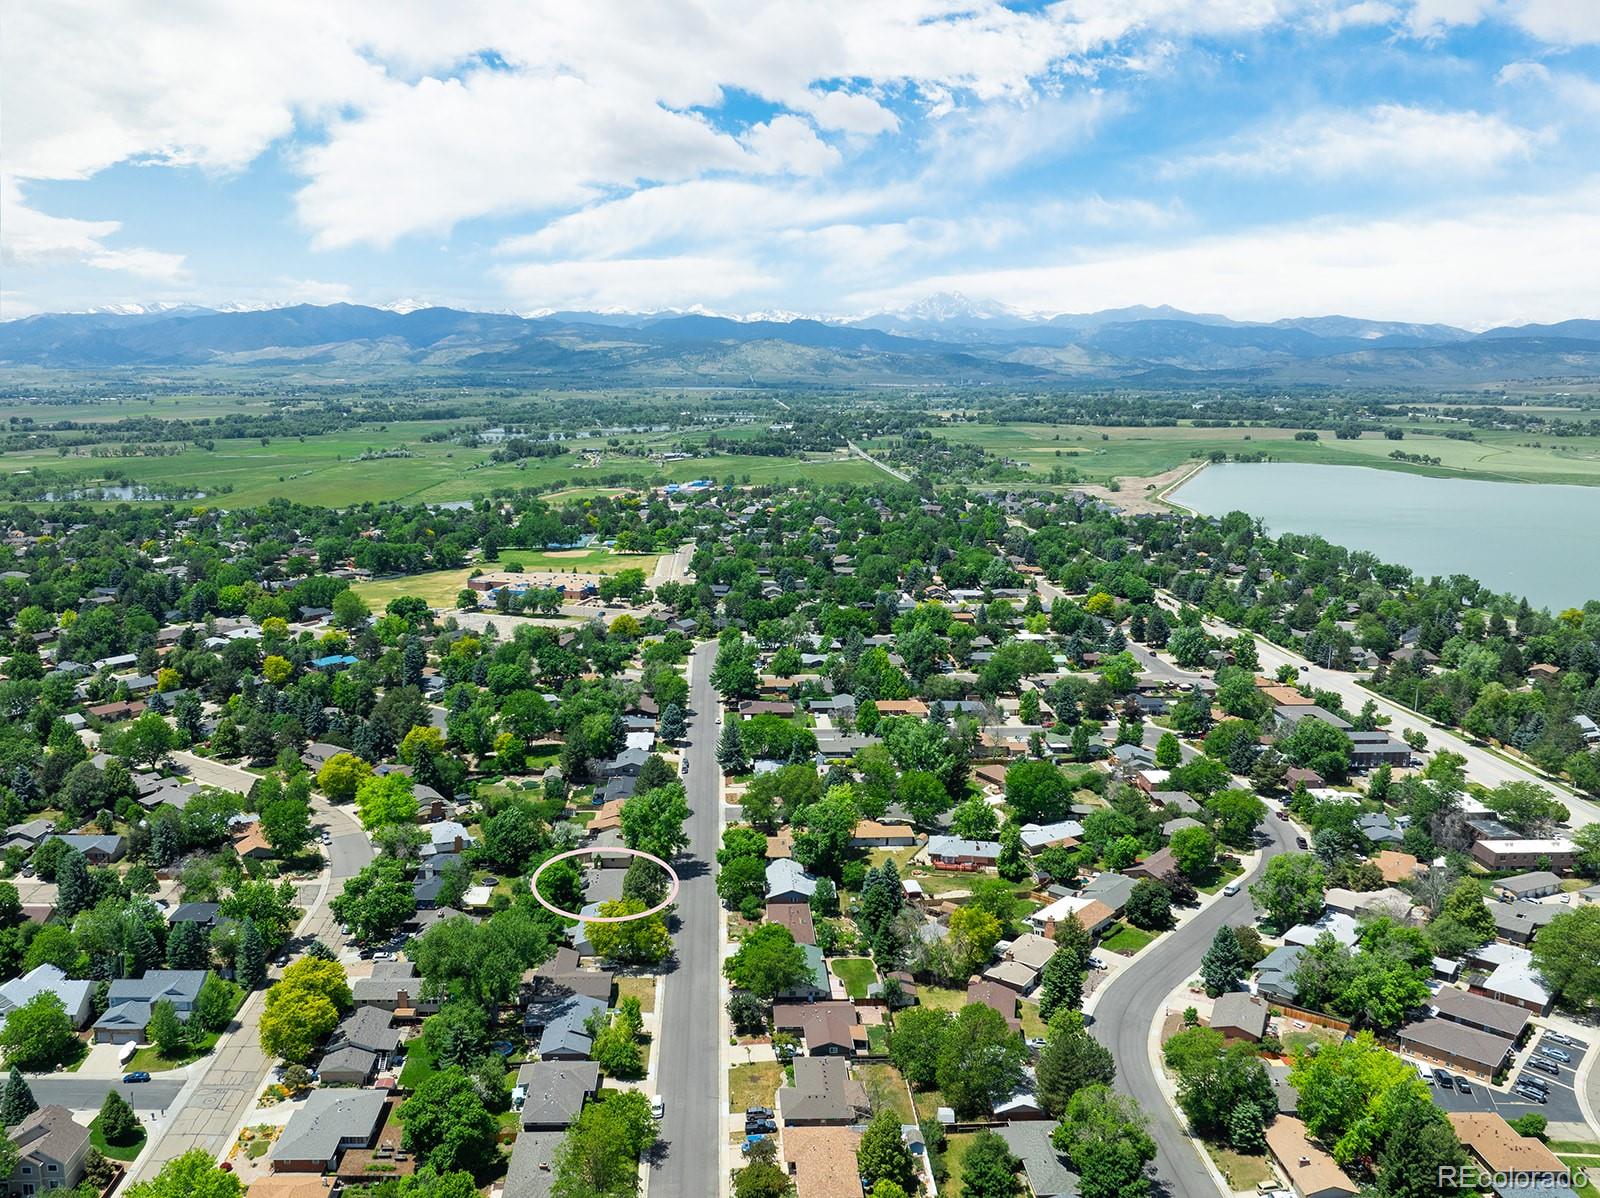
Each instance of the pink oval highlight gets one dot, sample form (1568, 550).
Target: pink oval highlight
(672, 890)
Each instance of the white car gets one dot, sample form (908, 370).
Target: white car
(1231, 889)
(658, 1107)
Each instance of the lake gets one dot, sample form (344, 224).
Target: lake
(1528, 539)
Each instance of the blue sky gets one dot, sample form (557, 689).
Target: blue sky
(1428, 160)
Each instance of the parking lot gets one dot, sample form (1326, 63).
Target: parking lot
(1562, 1106)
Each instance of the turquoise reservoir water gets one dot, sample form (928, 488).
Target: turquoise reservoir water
(1528, 539)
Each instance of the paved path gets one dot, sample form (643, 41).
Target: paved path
(215, 773)
(1134, 1002)
(688, 1061)
(220, 1090)
(884, 466)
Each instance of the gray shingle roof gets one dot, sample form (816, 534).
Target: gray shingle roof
(328, 1119)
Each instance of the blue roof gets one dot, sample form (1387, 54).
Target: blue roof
(334, 659)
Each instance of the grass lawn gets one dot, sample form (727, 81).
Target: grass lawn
(755, 1084)
(117, 1152)
(878, 1039)
(1127, 940)
(1573, 1154)
(644, 989)
(886, 1087)
(1243, 1172)
(955, 1151)
(1312, 1033)
(1032, 1025)
(941, 997)
(927, 1103)
(1227, 870)
(856, 973)
(150, 1059)
(419, 1064)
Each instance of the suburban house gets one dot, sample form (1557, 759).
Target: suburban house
(1000, 998)
(871, 834)
(395, 987)
(797, 918)
(1518, 923)
(563, 1025)
(1395, 866)
(553, 1092)
(360, 1046)
(826, 1028)
(76, 996)
(1310, 1170)
(1275, 973)
(330, 1123)
(1240, 1016)
(1046, 1170)
(1512, 978)
(1155, 867)
(788, 882)
(822, 1161)
(953, 852)
(823, 1094)
(51, 1147)
(96, 850)
(131, 1001)
(1093, 914)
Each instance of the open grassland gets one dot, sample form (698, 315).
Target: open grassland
(1101, 453)
(343, 468)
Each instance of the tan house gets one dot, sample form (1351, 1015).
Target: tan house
(822, 1161)
(1499, 1150)
(51, 1147)
(1310, 1170)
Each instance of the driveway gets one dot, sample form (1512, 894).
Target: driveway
(1133, 1002)
(688, 1060)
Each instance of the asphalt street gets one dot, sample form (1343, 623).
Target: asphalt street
(687, 1063)
(87, 1093)
(1135, 1001)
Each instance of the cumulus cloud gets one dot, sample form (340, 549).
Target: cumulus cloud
(28, 236)
(630, 284)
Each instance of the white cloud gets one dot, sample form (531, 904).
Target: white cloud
(28, 236)
(1388, 137)
(1521, 259)
(849, 112)
(1556, 22)
(786, 145)
(994, 139)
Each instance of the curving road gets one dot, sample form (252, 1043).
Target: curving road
(688, 1062)
(1134, 1002)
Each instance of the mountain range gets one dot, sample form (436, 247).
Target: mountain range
(944, 340)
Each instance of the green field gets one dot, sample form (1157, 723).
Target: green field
(329, 469)
(440, 587)
(856, 973)
(1101, 453)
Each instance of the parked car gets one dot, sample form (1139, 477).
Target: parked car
(1231, 889)
(1559, 1054)
(1544, 1066)
(1463, 1085)
(138, 1075)
(1531, 1094)
(1559, 1038)
(1300, 842)
(1443, 1078)
(1537, 1083)
(658, 1107)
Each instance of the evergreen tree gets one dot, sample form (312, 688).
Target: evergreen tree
(16, 1099)
(74, 890)
(118, 1124)
(672, 726)
(1223, 965)
(1009, 864)
(187, 947)
(730, 750)
(1061, 984)
(143, 948)
(251, 967)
